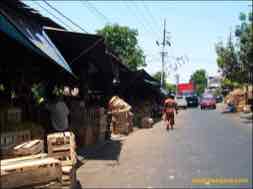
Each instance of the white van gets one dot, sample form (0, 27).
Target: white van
(181, 101)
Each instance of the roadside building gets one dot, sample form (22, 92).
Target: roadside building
(213, 83)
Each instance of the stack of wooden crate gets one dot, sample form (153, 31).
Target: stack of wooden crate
(121, 123)
(91, 125)
(62, 146)
(29, 171)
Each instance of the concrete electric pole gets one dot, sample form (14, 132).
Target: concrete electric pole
(163, 53)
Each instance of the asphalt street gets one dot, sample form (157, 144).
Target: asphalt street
(204, 144)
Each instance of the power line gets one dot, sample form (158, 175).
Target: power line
(93, 9)
(59, 12)
(151, 16)
(89, 48)
(56, 17)
(137, 16)
(145, 19)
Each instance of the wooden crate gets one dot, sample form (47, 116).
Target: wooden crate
(68, 180)
(29, 172)
(62, 146)
(10, 139)
(60, 138)
(13, 115)
(103, 123)
(29, 148)
(69, 176)
(89, 137)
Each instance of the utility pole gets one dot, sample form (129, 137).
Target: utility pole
(163, 53)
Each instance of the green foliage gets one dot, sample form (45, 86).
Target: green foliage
(236, 58)
(199, 78)
(157, 76)
(226, 83)
(170, 87)
(227, 60)
(123, 41)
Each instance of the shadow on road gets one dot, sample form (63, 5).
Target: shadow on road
(110, 151)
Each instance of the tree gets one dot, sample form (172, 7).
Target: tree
(199, 78)
(244, 34)
(227, 60)
(123, 41)
(157, 76)
(168, 86)
(235, 59)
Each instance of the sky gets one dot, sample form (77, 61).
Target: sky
(194, 27)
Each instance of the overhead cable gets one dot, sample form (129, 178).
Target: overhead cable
(53, 15)
(59, 12)
(93, 9)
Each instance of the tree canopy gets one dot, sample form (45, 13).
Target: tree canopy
(199, 78)
(123, 41)
(168, 86)
(157, 76)
(235, 59)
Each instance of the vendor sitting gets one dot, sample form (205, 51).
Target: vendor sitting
(230, 107)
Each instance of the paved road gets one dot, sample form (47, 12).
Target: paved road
(204, 144)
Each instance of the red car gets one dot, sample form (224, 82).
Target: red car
(208, 102)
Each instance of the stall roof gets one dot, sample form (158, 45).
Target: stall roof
(86, 54)
(78, 48)
(18, 21)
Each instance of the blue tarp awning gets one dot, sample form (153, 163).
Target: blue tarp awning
(31, 35)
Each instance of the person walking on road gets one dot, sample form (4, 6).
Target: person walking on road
(170, 106)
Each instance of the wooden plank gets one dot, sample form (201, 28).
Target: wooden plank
(30, 172)
(29, 148)
(19, 159)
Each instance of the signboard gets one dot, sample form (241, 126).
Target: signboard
(185, 87)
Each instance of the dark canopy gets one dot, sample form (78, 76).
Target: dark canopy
(86, 55)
